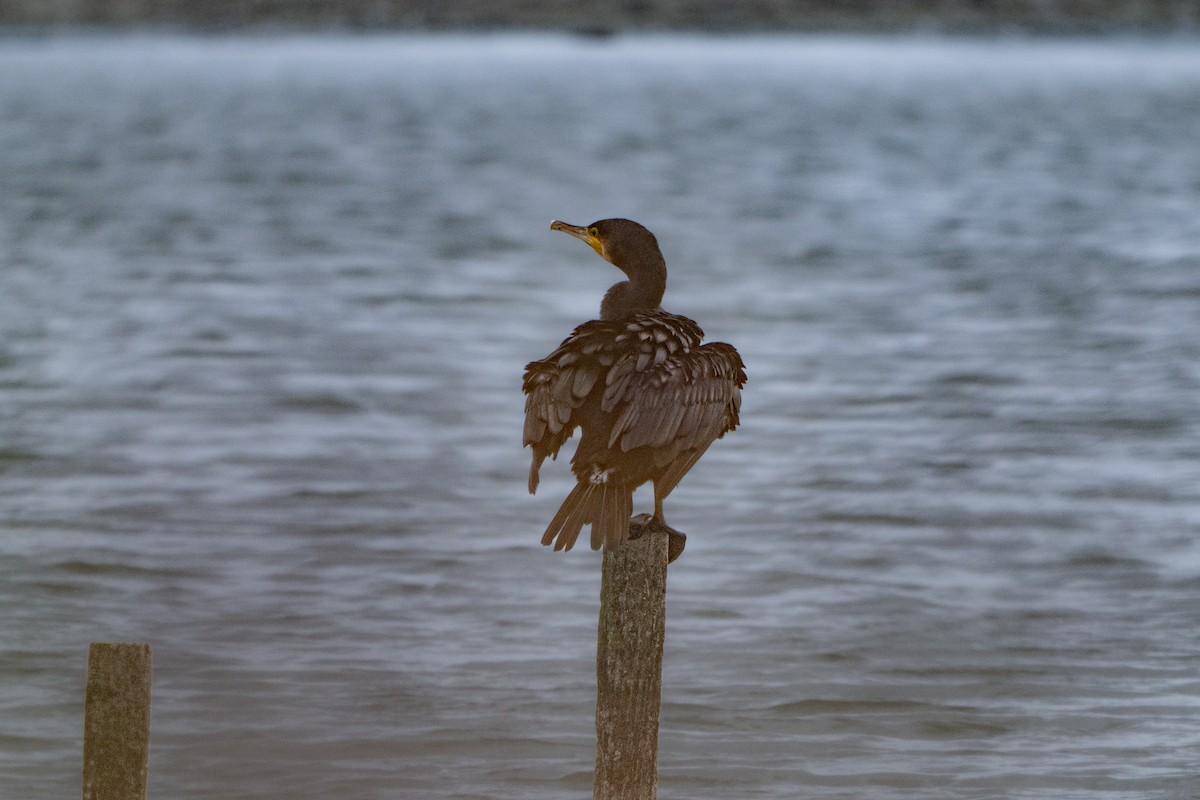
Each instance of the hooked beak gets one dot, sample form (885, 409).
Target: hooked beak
(579, 233)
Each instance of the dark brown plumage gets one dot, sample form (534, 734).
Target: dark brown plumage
(648, 396)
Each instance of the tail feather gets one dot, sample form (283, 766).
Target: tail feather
(606, 506)
(564, 529)
(612, 525)
(600, 521)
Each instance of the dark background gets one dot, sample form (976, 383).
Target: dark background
(605, 16)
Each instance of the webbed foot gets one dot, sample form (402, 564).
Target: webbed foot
(640, 525)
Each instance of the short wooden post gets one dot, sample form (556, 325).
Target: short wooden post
(116, 722)
(629, 653)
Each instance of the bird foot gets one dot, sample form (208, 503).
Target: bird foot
(642, 524)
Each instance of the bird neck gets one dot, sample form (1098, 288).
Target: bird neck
(642, 292)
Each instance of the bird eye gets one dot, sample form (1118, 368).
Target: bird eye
(594, 231)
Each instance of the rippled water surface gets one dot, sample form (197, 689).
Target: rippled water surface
(264, 307)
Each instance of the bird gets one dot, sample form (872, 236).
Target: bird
(648, 396)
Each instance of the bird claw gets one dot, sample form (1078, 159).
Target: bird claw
(639, 525)
(676, 541)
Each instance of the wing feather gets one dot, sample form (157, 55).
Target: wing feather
(558, 385)
(685, 403)
(662, 390)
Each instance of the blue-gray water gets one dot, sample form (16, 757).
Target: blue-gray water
(264, 307)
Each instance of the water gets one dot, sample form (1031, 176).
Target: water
(264, 307)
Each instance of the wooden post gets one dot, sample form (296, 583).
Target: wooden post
(116, 722)
(629, 652)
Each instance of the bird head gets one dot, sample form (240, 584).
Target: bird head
(621, 242)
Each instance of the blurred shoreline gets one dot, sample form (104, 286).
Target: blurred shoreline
(599, 18)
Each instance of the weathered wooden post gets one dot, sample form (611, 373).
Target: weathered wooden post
(629, 654)
(116, 721)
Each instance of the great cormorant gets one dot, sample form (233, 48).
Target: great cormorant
(648, 396)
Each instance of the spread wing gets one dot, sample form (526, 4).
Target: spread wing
(558, 385)
(650, 376)
(677, 407)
